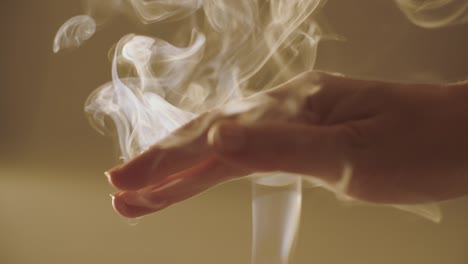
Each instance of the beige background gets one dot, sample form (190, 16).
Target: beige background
(54, 203)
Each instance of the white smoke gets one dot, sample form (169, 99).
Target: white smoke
(220, 51)
(435, 13)
(74, 32)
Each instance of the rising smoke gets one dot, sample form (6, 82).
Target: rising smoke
(220, 51)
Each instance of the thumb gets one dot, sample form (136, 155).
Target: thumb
(304, 149)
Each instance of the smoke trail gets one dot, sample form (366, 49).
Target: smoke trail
(435, 13)
(74, 32)
(276, 216)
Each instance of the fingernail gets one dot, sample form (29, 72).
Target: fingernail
(129, 210)
(113, 200)
(120, 208)
(109, 178)
(228, 138)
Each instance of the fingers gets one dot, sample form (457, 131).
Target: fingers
(289, 147)
(182, 150)
(196, 158)
(240, 150)
(154, 165)
(174, 189)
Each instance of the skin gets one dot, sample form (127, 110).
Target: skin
(404, 143)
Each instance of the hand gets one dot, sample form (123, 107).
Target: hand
(400, 143)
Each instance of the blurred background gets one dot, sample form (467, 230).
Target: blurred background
(54, 199)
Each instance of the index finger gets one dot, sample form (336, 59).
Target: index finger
(182, 150)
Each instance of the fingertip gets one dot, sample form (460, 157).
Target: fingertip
(121, 181)
(125, 209)
(132, 175)
(108, 175)
(121, 207)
